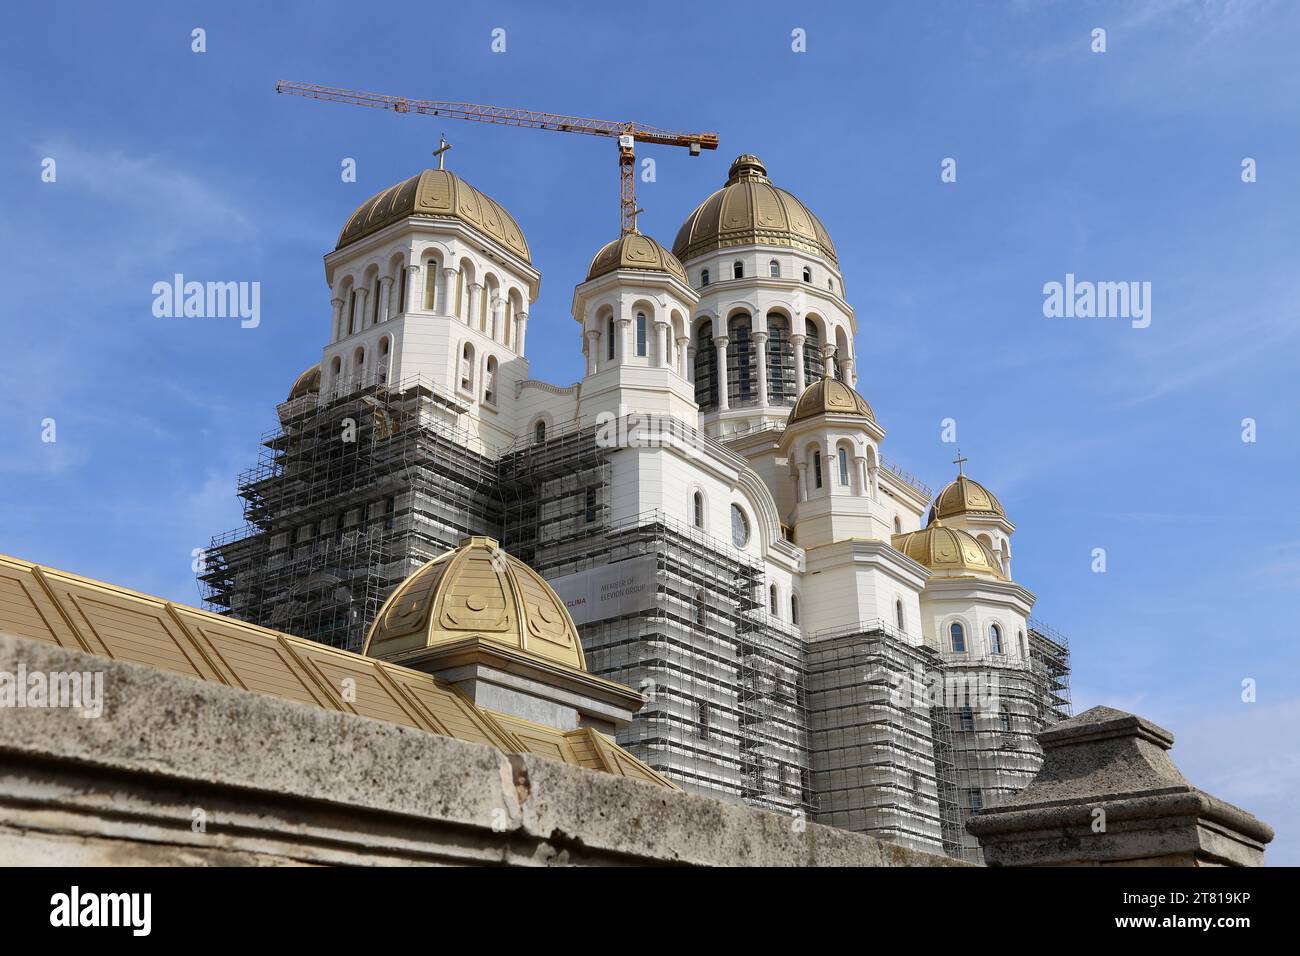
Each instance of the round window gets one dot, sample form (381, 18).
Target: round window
(739, 527)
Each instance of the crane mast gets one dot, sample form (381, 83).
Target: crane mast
(625, 134)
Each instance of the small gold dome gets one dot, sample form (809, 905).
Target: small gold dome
(962, 497)
(941, 548)
(635, 251)
(436, 194)
(308, 383)
(748, 209)
(476, 591)
(829, 396)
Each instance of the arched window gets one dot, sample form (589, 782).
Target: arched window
(403, 277)
(704, 277)
(467, 368)
(490, 381)
(774, 269)
(706, 368)
(771, 598)
(898, 525)
(995, 639)
(737, 270)
(958, 638)
(381, 373)
(966, 718)
(794, 609)
(374, 305)
(641, 342)
(739, 527)
(1005, 715)
(460, 293)
(539, 431)
(609, 338)
(898, 616)
(843, 457)
(830, 284)
(1024, 652)
(430, 285)
(817, 469)
(807, 274)
(701, 606)
(697, 509)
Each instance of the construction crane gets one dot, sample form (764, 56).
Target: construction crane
(626, 135)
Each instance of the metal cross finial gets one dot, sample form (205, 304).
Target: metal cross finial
(443, 146)
(959, 461)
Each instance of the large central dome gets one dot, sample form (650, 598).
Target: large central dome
(749, 210)
(437, 194)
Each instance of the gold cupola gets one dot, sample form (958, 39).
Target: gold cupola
(308, 383)
(635, 252)
(830, 396)
(962, 496)
(749, 210)
(436, 194)
(950, 550)
(476, 591)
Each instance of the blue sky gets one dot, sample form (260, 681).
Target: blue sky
(1124, 165)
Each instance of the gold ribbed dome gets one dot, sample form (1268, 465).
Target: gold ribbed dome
(962, 497)
(941, 548)
(635, 251)
(305, 384)
(832, 397)
(436, 194)
(476, 591)
(748, 209)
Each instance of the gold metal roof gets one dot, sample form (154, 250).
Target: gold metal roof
(941, 548)
(748, 209)
(306, 383)
(436, 194)
(476, 590)
(829, 396)
(961, 496)
(635, 251)
(42, 604)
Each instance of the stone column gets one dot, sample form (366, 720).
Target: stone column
(860, 463)
(359, 312)
(661, 343)
(850, 377)
(797, 341)
(1110, 766)
(593, 351)
(720, 343)
(497, 309)
(385, 298)
(448, 295)
(521, 329)
(760, 356)
(682, 342)
(828, 360)
(338, 330)
(803, 479)
(624, 330)
(414, 288)
(690, 364)
(475, 297)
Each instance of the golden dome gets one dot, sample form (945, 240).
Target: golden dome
(476, 591)
(962, 497)
(829, 396)
(941, 548)
(307, 383)
(635, 251)
(436, 194)
(749, 209)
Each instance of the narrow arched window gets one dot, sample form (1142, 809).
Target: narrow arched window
(467, 368)
(1024, 652)
(641, 341)
(807, 274)
(958, 638)
(403, 277)
(697, 514)
(737, 270)
(771, 598)
(995, 639)
(898, 615)
(898, 525)
(374, 305)
(490, 381)
(817, 469)
(966, 718)
(430, 285)
(609, 338)
(774, 269)
(843, 457)
(794, 609)
(539, 431)
(1005, 715)
(381, 373)
(704, 277)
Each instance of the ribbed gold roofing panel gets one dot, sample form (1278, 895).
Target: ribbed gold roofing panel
(56, 607)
